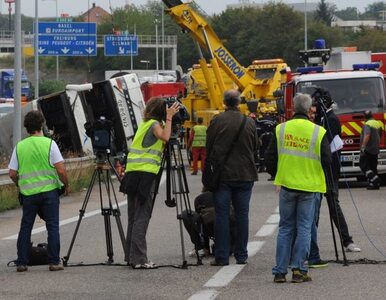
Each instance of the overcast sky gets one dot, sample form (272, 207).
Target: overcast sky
(47, 8)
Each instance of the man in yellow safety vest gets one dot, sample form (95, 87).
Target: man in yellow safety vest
(298, 155)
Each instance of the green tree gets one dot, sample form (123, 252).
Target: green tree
(324, 12)
(47, 87)
(349, 13)
(372, 11)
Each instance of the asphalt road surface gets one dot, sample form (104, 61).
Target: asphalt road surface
(364, 210)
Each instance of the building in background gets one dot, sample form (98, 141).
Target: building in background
(95, 14)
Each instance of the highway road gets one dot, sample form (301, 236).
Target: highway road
(363, 209)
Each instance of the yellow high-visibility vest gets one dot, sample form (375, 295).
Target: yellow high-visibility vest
(299, 165)
(145, 159)
(36, 174)
(199, 139)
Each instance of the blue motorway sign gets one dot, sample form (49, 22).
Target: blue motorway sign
(67, 45)
(116, 45)
(59, 28)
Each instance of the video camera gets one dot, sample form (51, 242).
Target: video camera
(100, 134)
(182, 115)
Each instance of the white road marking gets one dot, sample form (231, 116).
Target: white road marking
(227, 273)
(204, 295)
(273, 219)
(73, 219)
(224, 276)
(266, 230)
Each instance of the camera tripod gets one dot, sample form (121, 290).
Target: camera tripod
(177, 190)
(102, 172)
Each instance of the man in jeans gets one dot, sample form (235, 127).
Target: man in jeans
(238, 174)
(37, 168)
(297, 157)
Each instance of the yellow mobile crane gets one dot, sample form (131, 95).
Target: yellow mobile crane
(257, 83)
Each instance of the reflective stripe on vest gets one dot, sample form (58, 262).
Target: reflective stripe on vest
(144, 159)
(35, 174)
(199, 139)
(299, 166)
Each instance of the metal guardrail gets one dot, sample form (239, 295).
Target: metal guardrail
(71, 164)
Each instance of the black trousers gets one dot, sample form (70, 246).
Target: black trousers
(337, 215)
(368, 162)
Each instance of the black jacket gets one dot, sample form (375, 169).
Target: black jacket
(240, 165)
(333, 127)
(271, 155)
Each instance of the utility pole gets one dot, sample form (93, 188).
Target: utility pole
(17, 79)
(36, 49)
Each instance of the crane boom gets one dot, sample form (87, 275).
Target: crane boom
(203, 33)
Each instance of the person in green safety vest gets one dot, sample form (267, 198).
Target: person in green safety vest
(142, 166)
(370, 139)
(197, 142)
(37, 168)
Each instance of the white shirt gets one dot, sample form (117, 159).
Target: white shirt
(55, 157)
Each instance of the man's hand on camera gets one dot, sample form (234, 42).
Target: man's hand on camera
(172, 110)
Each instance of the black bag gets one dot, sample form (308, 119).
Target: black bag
(212, 171)
(211, 176)
(38, 255)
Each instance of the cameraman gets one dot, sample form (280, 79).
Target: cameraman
(143, 164)
(326, 117)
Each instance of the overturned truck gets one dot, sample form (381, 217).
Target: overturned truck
(119, 100)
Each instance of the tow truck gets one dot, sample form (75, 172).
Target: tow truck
(257, 83)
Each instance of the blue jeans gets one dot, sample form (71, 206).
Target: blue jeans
(296, 216)
(47, 205)
(239, 194)
(314, 250)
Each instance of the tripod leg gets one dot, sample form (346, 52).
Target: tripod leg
(106, 212)
(117, 215)
(81, 214)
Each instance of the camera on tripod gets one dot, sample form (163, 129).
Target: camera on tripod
(181, 116)
(100, 134)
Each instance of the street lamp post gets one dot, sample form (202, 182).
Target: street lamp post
(36, 51)
(305, 24)
(156, 21)
(163, 39)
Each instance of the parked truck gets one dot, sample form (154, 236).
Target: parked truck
(354, 91)
(7, 85)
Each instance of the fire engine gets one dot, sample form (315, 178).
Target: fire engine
(354, 91)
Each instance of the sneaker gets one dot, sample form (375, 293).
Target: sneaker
(58, 267)
(352, 248)
(318, 264)
(279, 278)
(21, 268)
(373, 187)
(219, 263)
(148, 265)
(299, 277)
(194, 173)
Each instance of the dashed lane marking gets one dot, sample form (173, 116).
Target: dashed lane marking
(266, 230)
(204, 295)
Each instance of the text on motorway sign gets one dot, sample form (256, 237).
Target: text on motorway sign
(67, 28)
(116, 45)
(67, 45)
